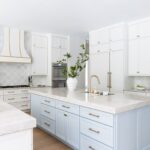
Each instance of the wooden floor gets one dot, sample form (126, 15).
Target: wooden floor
(44, 141)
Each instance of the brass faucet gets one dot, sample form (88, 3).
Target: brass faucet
(90, 83)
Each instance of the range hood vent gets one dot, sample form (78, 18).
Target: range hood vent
(12, 47)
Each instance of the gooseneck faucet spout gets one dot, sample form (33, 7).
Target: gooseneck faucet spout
(90, 86)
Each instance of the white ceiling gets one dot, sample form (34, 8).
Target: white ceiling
(70, 16)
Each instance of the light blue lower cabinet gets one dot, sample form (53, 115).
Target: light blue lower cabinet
(48, 124)
(67, 128)
(97, 131)
(93, 129)
(87, 143)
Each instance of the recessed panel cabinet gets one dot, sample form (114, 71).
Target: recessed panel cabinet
(39, 54)
(35, 107)
(91, 129)
(139, 49)
(67, 127)
(60, 46)
(107, 56)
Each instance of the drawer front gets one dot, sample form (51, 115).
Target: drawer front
(97, 131)
(17, 98)
(48, 124)
(8, 92)
(48, 101)
(23, 90)
(68, 107)
(24, 97)
(16, 91)
(89, 144)
(22, 105)
(98, 116)
(48, 111)
(1, 92)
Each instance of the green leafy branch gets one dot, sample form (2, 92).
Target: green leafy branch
(74, 70)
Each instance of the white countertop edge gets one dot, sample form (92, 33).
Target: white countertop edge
(13, 120)
(93, 106)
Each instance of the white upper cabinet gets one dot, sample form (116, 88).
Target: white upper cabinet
(117, 33)
(139, 29)
(108, 54)
(39, 54)
(145, 28)
(99, 41)
(117, 37)
(133, 57)
(144, 56)
(139, 48)
(60, 46)
(106, 39)
(103, 36)
(117, 70)
(133, 31)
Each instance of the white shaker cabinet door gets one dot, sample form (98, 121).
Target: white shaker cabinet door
(117, 71)
(103, 35)
(117, 33)
(144, 27)
(61, 124)
(133, 31)
(99, 65)
(60, 46)
(35, 107)
(144, 56)
(133, 57)
(72, 130)
(39, 54)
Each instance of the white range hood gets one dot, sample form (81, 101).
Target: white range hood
(12, 46)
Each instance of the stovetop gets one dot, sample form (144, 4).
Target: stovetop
(14, 86)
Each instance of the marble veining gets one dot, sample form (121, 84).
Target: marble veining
(13, 120)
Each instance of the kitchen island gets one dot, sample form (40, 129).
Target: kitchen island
(15, 128)
(91, 122)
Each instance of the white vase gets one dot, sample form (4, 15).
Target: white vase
(72, 84)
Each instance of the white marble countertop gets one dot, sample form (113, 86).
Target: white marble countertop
(13, 120)
(112, 104)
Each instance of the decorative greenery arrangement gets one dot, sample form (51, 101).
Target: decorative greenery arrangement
(74, 71)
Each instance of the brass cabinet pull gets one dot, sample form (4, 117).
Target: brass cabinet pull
(94, 130)
(65, 106)
(94, 115)
(47, 124)
(90, 147)
(47, 111)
